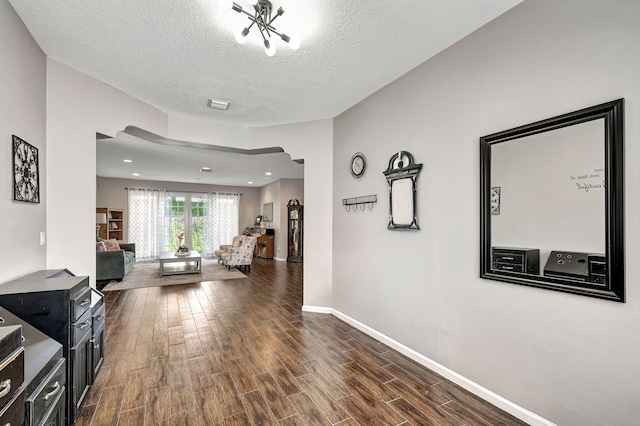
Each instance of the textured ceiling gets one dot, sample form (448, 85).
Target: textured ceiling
(175, 55)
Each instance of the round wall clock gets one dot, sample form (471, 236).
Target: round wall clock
(358, 165)
(26, 178)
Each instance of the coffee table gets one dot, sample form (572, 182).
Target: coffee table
(170, 264)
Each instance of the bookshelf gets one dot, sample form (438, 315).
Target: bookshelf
(114, 227)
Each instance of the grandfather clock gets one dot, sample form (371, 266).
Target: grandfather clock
(294, 252)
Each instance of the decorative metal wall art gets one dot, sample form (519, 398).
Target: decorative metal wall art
(402, 174)
(26, 175)
(495, 200)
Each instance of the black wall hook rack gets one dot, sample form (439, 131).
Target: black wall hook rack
(359, 201)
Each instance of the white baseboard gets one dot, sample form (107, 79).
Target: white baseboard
(484, 393)
(280, 259)
(317, 309)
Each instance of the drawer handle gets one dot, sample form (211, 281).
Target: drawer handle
(507, 267)
(85, 302)
(85, 325)
(5, 387)
(507, 257)
(55, 390)
(100, 318)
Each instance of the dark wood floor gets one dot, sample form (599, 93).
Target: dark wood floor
(241, 352)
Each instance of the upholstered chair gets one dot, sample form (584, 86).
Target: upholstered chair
(225, 248)
(241, 256)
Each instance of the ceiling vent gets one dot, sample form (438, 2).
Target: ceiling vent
(217, 104)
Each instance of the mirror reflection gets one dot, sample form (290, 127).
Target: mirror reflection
(552, 213)
(551, 189)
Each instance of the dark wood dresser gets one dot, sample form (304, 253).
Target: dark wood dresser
(60, 305)
(514, 259)
(45, 374)
(11, 375)
(264, 244)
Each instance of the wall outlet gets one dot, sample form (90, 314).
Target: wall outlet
(42, 240)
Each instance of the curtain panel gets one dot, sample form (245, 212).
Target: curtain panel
(223, 220)
(150, 229)
(146, 218)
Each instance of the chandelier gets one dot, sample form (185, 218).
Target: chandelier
(263, 19)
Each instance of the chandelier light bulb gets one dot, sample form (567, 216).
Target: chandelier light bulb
(269, 48)
(227, 4)
(241, 36)
(294, 43)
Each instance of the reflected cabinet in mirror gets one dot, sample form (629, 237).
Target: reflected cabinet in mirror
(552, 203)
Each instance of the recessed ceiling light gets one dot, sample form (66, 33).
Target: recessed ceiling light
(250, 183)
(268, 174)
(136, 174)
(206, 169)
(218, 104)
(127, 161)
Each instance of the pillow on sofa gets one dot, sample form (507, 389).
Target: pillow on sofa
(112, 244)
(100, 246)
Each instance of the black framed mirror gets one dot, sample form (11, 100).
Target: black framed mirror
(552, 203)
(402, 175)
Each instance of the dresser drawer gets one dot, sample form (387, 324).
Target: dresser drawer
(47, 393)
(10, 337)
(514, 258)
(98, 317)
(13, 412)
(508, 267)
(11, 375)
(80, 304)
(81, 327)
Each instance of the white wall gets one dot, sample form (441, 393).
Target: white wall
(111, 193)
(571, 359)
(77, 107)
(22, 113)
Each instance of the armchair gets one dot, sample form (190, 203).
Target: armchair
(115, 264)
(226, 248)
(243, 255)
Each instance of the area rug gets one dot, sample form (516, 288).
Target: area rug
(147, 274)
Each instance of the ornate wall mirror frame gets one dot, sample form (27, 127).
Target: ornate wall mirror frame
(559, 221)
(402, 174)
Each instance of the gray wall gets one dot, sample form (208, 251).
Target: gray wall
(111, 193)
(22, 113)
(570, 359)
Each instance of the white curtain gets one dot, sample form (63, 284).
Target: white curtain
(223, 219)
(146, 219)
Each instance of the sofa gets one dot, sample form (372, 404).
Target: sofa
(115, 264)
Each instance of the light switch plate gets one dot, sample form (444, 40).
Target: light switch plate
(42, 240)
